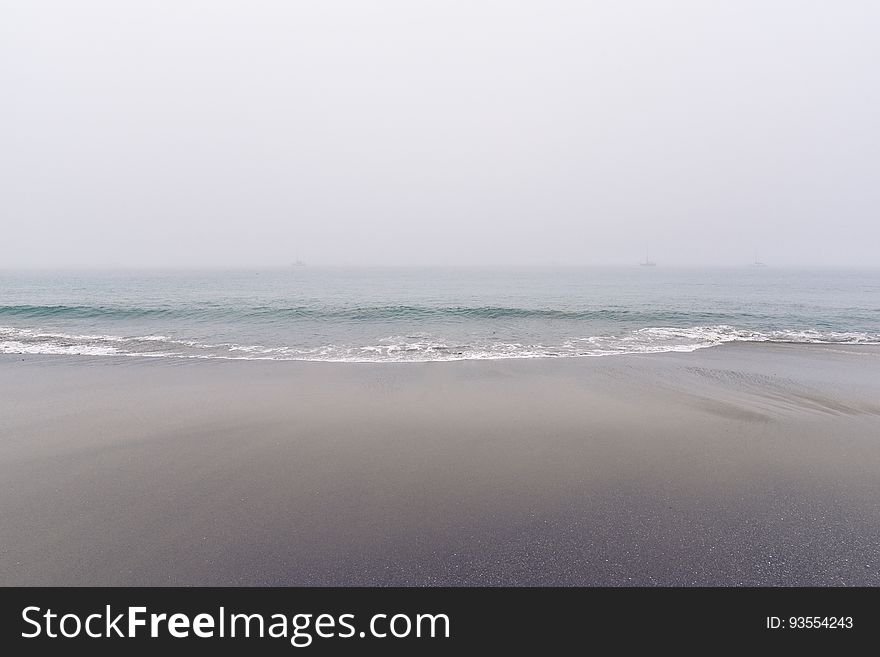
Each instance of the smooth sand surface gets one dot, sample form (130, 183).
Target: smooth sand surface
(736, 465)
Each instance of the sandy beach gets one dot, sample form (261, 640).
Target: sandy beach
(745, 464)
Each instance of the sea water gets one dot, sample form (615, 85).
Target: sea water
(425, 314)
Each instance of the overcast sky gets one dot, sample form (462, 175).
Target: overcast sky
(184, 133)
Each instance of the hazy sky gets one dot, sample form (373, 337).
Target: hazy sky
(414, 132)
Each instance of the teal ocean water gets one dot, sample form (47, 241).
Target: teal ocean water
(399, 314)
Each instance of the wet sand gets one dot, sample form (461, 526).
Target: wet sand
(737, 465)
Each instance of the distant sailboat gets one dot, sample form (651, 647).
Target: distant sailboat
(648, 262)
(757, 262)
(298, 263)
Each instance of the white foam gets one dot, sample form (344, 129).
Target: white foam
(416, 347)
(48, 348)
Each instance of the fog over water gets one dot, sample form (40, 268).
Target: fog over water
(221, 133)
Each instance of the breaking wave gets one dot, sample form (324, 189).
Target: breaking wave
(417, 348)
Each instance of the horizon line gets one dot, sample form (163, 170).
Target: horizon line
(293, 266)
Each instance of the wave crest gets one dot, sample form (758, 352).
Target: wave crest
(352, 313)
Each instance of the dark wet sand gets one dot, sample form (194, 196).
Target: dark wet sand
(744, 464)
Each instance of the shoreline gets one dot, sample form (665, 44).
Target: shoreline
(743, 464)
(863, 348)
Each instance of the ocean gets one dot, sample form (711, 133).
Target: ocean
(425, 314)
